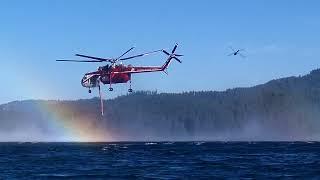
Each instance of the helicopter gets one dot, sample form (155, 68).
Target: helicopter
(115, 72)
(237, 52)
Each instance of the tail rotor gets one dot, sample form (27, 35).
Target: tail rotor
(172, 55)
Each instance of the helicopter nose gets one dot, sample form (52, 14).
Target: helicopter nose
(85, 81)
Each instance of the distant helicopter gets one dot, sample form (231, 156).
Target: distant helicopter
(115, 73)
(237, 52)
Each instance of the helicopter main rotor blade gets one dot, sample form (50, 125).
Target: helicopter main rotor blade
(231, 48)
(92, 57)
(69, 60)
(124, 53)
(139, 55)
(241, 55)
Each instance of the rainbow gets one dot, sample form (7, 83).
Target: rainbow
(78, 129)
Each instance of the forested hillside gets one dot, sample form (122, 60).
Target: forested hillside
(283, 109)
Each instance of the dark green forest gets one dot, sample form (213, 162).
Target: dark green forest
(284, 109)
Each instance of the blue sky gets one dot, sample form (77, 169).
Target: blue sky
(281, 39)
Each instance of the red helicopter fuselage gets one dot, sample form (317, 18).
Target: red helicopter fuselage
(119, 73)
(112, 78)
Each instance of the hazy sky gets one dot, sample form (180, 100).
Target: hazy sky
(281, 39)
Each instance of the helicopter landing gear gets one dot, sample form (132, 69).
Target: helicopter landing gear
(89, 91)
(110, 88)
(130, 90)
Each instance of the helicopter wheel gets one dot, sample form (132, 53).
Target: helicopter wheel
(89, 91)
(110, 89)
(130, 90)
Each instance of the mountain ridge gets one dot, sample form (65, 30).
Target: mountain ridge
(281, 109)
